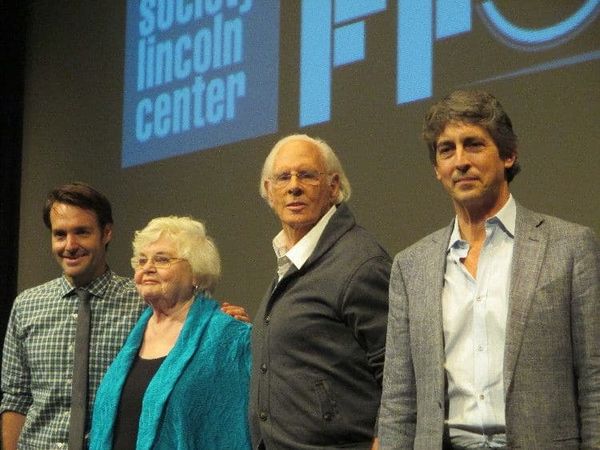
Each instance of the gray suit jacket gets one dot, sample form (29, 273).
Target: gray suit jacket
(552, 351)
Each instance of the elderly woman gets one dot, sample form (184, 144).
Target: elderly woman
(181, 379)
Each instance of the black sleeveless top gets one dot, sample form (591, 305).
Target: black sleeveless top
(130, 405)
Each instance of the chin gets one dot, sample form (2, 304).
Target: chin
(150, 299)
(467, 196)
(73, 274)
(150, 296)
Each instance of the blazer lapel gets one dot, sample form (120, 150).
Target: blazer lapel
(424, 283)
(528, 255)
(433, 289)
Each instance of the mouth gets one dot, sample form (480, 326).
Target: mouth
(72, 260)
(295, 206)
(465, 180)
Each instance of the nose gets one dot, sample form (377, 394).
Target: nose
(461, 159)
(71, 243)
(149, 266)
(294, 186)
(295, 191)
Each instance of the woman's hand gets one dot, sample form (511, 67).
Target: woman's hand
(237, 312)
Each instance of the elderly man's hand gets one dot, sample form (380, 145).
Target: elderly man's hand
(237, 312)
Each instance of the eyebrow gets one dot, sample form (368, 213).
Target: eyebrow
(467, 138)
(443, 142)
(165, 253)
(75, 229)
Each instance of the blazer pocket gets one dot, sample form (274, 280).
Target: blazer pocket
(327, 402)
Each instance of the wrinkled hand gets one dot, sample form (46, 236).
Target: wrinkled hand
(237, 312)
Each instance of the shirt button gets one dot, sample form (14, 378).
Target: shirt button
(480, 348)
(481, 397)
(263, 416)
(478, 298)
(263, 368)
(60, 445)
(74, 315)
(327, 416)
(267, 319)
(70, 347)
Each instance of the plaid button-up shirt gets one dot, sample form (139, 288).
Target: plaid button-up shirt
(37, 362)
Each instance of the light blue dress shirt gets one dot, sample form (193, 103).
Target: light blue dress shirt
(474, 319)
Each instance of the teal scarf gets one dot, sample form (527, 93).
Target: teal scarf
(198, 397)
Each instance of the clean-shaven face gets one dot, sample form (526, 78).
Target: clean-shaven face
(469, 166)
(298, 204)
(78, 242)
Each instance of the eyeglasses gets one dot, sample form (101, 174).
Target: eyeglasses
(307, 177)
(158, 261)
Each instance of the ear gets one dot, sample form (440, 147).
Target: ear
(437, 174)
(267, 187)
(107, 233)
(334, 186)
(510, 160)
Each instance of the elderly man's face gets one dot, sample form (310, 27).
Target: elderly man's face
(300, 203)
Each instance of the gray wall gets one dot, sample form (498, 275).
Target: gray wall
(72, 131)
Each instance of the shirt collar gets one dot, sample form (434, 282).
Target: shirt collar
(96, 287)
(505, 218)
(302, 250)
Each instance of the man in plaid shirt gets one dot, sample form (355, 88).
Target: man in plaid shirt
(37, 362)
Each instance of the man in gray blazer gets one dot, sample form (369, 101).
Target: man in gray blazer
(318, 339)
(494, 324)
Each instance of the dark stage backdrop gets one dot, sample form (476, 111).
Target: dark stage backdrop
(180, 119)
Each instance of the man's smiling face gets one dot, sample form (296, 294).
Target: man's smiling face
(78, 242)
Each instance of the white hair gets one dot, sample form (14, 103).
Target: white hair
(192, 243)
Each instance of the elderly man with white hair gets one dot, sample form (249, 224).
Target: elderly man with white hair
(318, 342)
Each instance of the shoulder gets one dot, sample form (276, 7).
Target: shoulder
(233, 329)
(122, 289)
(356, 258)
(42, 292)
(119, 282)
(432, 242)
(555, 228)
(224, 325)
(228, 337)
(347, 249)
(36, 303)
(363, 242)
(351, 235)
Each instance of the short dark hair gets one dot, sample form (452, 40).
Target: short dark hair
(477, 108)
(83, 196)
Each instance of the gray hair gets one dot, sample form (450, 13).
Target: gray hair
(332, 164)
(192, 243)
(477, 108)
